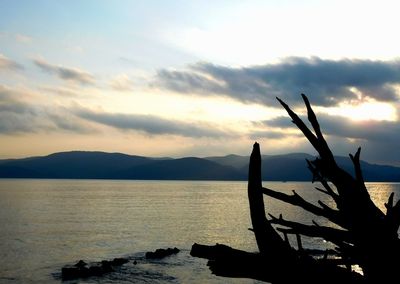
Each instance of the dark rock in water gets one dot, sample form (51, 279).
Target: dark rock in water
(161, 253)
(78, 270)
(119, 261)
(83, 270)
(98, 269)
(81, 264)
(107, 266)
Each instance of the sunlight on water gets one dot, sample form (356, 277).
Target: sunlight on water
(49, 223)
(380, 193)
(46, 224)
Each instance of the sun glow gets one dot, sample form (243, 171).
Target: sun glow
(371, 110)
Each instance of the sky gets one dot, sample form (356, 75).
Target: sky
(198, 78)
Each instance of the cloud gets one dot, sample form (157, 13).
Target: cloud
(61, 91)
(272, 134)
(344, 127)
(69, 74)
(151, 124)
(18, 116)
(23, 38)
(128, 61)
(326, 82)
(8, 64)
(379, 139)
(121, 83)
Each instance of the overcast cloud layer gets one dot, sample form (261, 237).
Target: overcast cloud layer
(328, 82)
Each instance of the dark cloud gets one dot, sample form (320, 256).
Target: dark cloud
(16, 118)
(8, 64)
(151, 124)
(343, 127)
(327, 82)
(189, 82)
(379, 139)
(70, 74)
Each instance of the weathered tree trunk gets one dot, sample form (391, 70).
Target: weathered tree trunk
(268, 240)
(366, 236)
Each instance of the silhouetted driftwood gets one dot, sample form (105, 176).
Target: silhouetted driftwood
(364, 235)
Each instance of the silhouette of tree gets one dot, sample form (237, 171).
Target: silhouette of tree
(363, 235)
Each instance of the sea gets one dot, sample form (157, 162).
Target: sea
(48, 223)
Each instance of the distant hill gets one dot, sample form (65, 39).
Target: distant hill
(289, 167)
(101, 165)
(76, 164)
(293, 167)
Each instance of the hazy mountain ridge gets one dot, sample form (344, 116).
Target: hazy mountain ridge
(101, 165)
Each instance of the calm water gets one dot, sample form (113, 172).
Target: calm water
(45, 224)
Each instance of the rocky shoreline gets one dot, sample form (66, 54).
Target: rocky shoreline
(82, 269)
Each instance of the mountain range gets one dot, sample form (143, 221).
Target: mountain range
(101, 165)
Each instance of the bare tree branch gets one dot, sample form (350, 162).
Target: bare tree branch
(333, 235)
(297, 200)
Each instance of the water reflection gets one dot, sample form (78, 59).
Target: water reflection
(379, 193)
(48, 223)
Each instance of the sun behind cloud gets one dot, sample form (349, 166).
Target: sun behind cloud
(369, 110)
